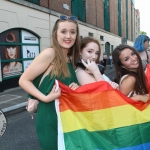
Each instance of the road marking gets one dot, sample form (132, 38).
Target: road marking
(15, 97)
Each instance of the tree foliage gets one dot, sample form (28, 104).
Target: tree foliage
(142, 32)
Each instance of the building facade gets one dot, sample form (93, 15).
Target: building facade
(136, 22)
(28, 23)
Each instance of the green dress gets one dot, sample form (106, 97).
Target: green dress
(46, 118)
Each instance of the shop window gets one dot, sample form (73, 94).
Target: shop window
(18, 47)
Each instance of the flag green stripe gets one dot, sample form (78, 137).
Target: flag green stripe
(108, 139)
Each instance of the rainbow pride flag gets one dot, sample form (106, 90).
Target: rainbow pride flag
(97, 117)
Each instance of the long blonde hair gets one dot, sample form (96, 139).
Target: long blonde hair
(59, 62)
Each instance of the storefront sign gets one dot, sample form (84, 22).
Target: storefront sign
(28, 37)
(30, 51)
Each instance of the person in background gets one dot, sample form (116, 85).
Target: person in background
(128, 65)
(88, 71)
(141, 44)
(110, 60)
(11, 53)
(62, 56)
(104, 59)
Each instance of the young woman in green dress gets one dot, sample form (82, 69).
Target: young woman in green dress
(61, 56)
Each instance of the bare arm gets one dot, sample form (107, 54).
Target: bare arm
(37, 67)
(143, 98)
(127, 86)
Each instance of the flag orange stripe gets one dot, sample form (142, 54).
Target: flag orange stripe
(107, 97)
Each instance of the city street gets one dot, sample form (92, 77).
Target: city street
(20, 133)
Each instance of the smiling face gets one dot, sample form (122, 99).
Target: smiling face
(91, 52)
(66, 34)
(11, 51)
(129, 59)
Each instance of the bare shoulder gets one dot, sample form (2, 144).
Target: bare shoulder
(84, 77)
(40, 63)
(129, 80)
(83, 73)
(46, 56)
(127, 84)
(80, 72)
(48, 52)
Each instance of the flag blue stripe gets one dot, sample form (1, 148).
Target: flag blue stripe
(145, 146)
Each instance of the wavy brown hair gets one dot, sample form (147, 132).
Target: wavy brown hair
(60, 65)
(10, 38)
(87, 40)
(141, 81)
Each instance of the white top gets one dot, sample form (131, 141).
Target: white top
(123, 77)
(110, 57)
(106, 78)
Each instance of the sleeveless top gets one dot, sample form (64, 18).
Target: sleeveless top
(130, 94)
(46, 117)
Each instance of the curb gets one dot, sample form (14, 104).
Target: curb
(11, 108)
(10, 90)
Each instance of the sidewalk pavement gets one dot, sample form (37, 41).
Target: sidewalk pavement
(16, 98)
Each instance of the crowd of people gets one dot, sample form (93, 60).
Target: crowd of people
(74, 63)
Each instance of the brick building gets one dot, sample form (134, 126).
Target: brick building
(112, 22)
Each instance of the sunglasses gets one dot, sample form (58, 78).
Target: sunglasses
(71, 18)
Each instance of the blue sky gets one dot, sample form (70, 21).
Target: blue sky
(144, 8)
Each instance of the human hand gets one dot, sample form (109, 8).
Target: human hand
(143, 98)
(114, 85)
(73, 86)
(91, 66)
(53, 94)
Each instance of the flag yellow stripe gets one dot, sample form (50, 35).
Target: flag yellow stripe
(104, 119)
